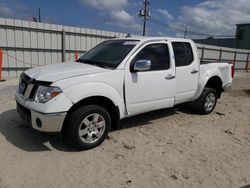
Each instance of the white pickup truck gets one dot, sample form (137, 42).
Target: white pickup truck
(116, 79)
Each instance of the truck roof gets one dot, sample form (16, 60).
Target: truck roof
(146, 39)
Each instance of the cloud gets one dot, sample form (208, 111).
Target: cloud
(122, 19)
(216, 17)
(105, 4)
(161, 34)
(122, 16)
(179, 35)
(13, 9)
(5, 11)
(166, 15)
(114, 12)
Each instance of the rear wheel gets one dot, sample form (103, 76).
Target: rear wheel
(207, 101)
(87, 127)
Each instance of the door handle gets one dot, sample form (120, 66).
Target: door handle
(194, 71)
(169, 77)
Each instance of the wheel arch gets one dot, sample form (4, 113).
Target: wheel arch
(215, 82)
(102, 101)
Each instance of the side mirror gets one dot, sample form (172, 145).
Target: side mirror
(142, 65)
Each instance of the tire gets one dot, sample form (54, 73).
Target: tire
(87, 127)
(206, 103)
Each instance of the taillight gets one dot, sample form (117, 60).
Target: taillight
(232, 70)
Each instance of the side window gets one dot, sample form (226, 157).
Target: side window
(158, 54)
(183, 54)
(189, 53)
(179, 54)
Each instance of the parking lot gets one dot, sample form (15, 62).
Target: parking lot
(167, 148)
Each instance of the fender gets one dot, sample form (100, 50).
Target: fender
(204, 77)
(84, 90)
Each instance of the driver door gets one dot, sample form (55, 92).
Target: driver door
(154, 88)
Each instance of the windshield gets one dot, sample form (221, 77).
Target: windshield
(108, 54)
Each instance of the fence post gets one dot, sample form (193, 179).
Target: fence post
(202, 53)
(247, 62)
(235, 56)
(220, 55)
(76, 55)
(1, 64)
(63, 45)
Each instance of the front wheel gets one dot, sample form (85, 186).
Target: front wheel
(207, 101)
(87, 127)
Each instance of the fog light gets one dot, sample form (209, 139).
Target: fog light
(38, 123)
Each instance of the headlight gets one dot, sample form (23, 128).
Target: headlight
(44, 93)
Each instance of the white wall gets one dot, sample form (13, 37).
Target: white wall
(35, 44)
(212, 53)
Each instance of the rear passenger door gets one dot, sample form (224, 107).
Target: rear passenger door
(187, 68)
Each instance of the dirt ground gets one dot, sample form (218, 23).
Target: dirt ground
(168, 148)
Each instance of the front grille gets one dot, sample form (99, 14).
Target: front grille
(23, 86)
(28, 86)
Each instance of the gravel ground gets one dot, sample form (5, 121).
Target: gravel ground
(166, 148)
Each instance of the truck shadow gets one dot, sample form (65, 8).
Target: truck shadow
(149, 117)
(146, 118)
(25, 138)
(28, 139)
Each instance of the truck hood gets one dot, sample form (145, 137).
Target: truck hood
(59, 71)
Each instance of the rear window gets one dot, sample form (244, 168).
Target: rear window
(183, 53)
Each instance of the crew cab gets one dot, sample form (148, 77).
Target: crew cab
(117, 79)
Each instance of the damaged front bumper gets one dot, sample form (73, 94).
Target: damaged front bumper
(50, 122)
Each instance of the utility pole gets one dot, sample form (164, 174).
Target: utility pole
(185, 34)
(145, 13)
(39, 15)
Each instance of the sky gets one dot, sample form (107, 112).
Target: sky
(202, 18)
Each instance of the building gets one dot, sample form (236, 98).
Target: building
(243, 36)
(223, 42)
(241, 40)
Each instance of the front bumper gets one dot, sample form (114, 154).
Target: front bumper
(50, 122)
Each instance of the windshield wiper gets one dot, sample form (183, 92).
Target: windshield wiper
(104, 66)
(85, 61)
(95, 63)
